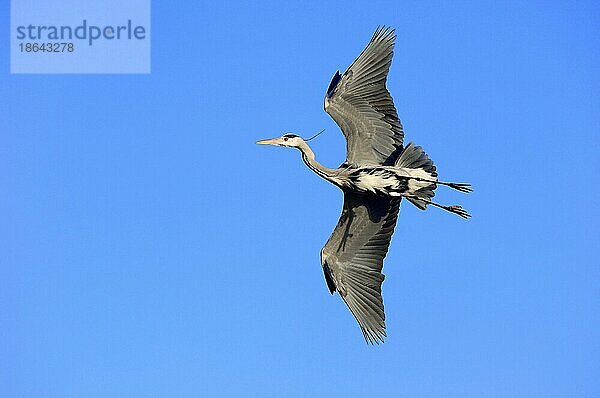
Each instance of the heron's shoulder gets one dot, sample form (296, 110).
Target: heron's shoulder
(333, 84)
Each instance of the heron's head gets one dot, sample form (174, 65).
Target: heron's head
(288, 139)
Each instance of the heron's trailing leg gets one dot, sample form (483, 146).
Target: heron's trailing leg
(459, 186)
(458, 210)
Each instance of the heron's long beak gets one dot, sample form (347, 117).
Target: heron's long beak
(271, 141)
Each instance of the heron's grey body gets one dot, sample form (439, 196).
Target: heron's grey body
(379, 171)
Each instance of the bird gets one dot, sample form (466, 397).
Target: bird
(378, 172)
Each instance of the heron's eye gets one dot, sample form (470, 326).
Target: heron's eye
(285, 138)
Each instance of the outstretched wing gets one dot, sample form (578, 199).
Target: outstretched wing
(352, 258)
(361, 105)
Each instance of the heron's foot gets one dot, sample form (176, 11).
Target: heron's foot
(458, 210)
(461, 187)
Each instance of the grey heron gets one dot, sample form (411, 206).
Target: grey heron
(378, 172)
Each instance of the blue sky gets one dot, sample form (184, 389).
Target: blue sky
(149, 248)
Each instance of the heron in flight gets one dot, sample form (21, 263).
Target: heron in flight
(378, 172)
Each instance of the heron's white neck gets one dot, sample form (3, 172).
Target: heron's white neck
(306, 151)
(308, 156)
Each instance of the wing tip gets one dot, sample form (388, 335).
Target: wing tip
(384, 33)
(372, 328)
(374, 337)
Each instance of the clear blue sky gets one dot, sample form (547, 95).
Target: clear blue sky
(149, 249)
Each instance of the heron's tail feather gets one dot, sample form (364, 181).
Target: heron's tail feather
(416, 162)
(413, 157)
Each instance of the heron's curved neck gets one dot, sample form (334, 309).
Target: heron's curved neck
(308, 156)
